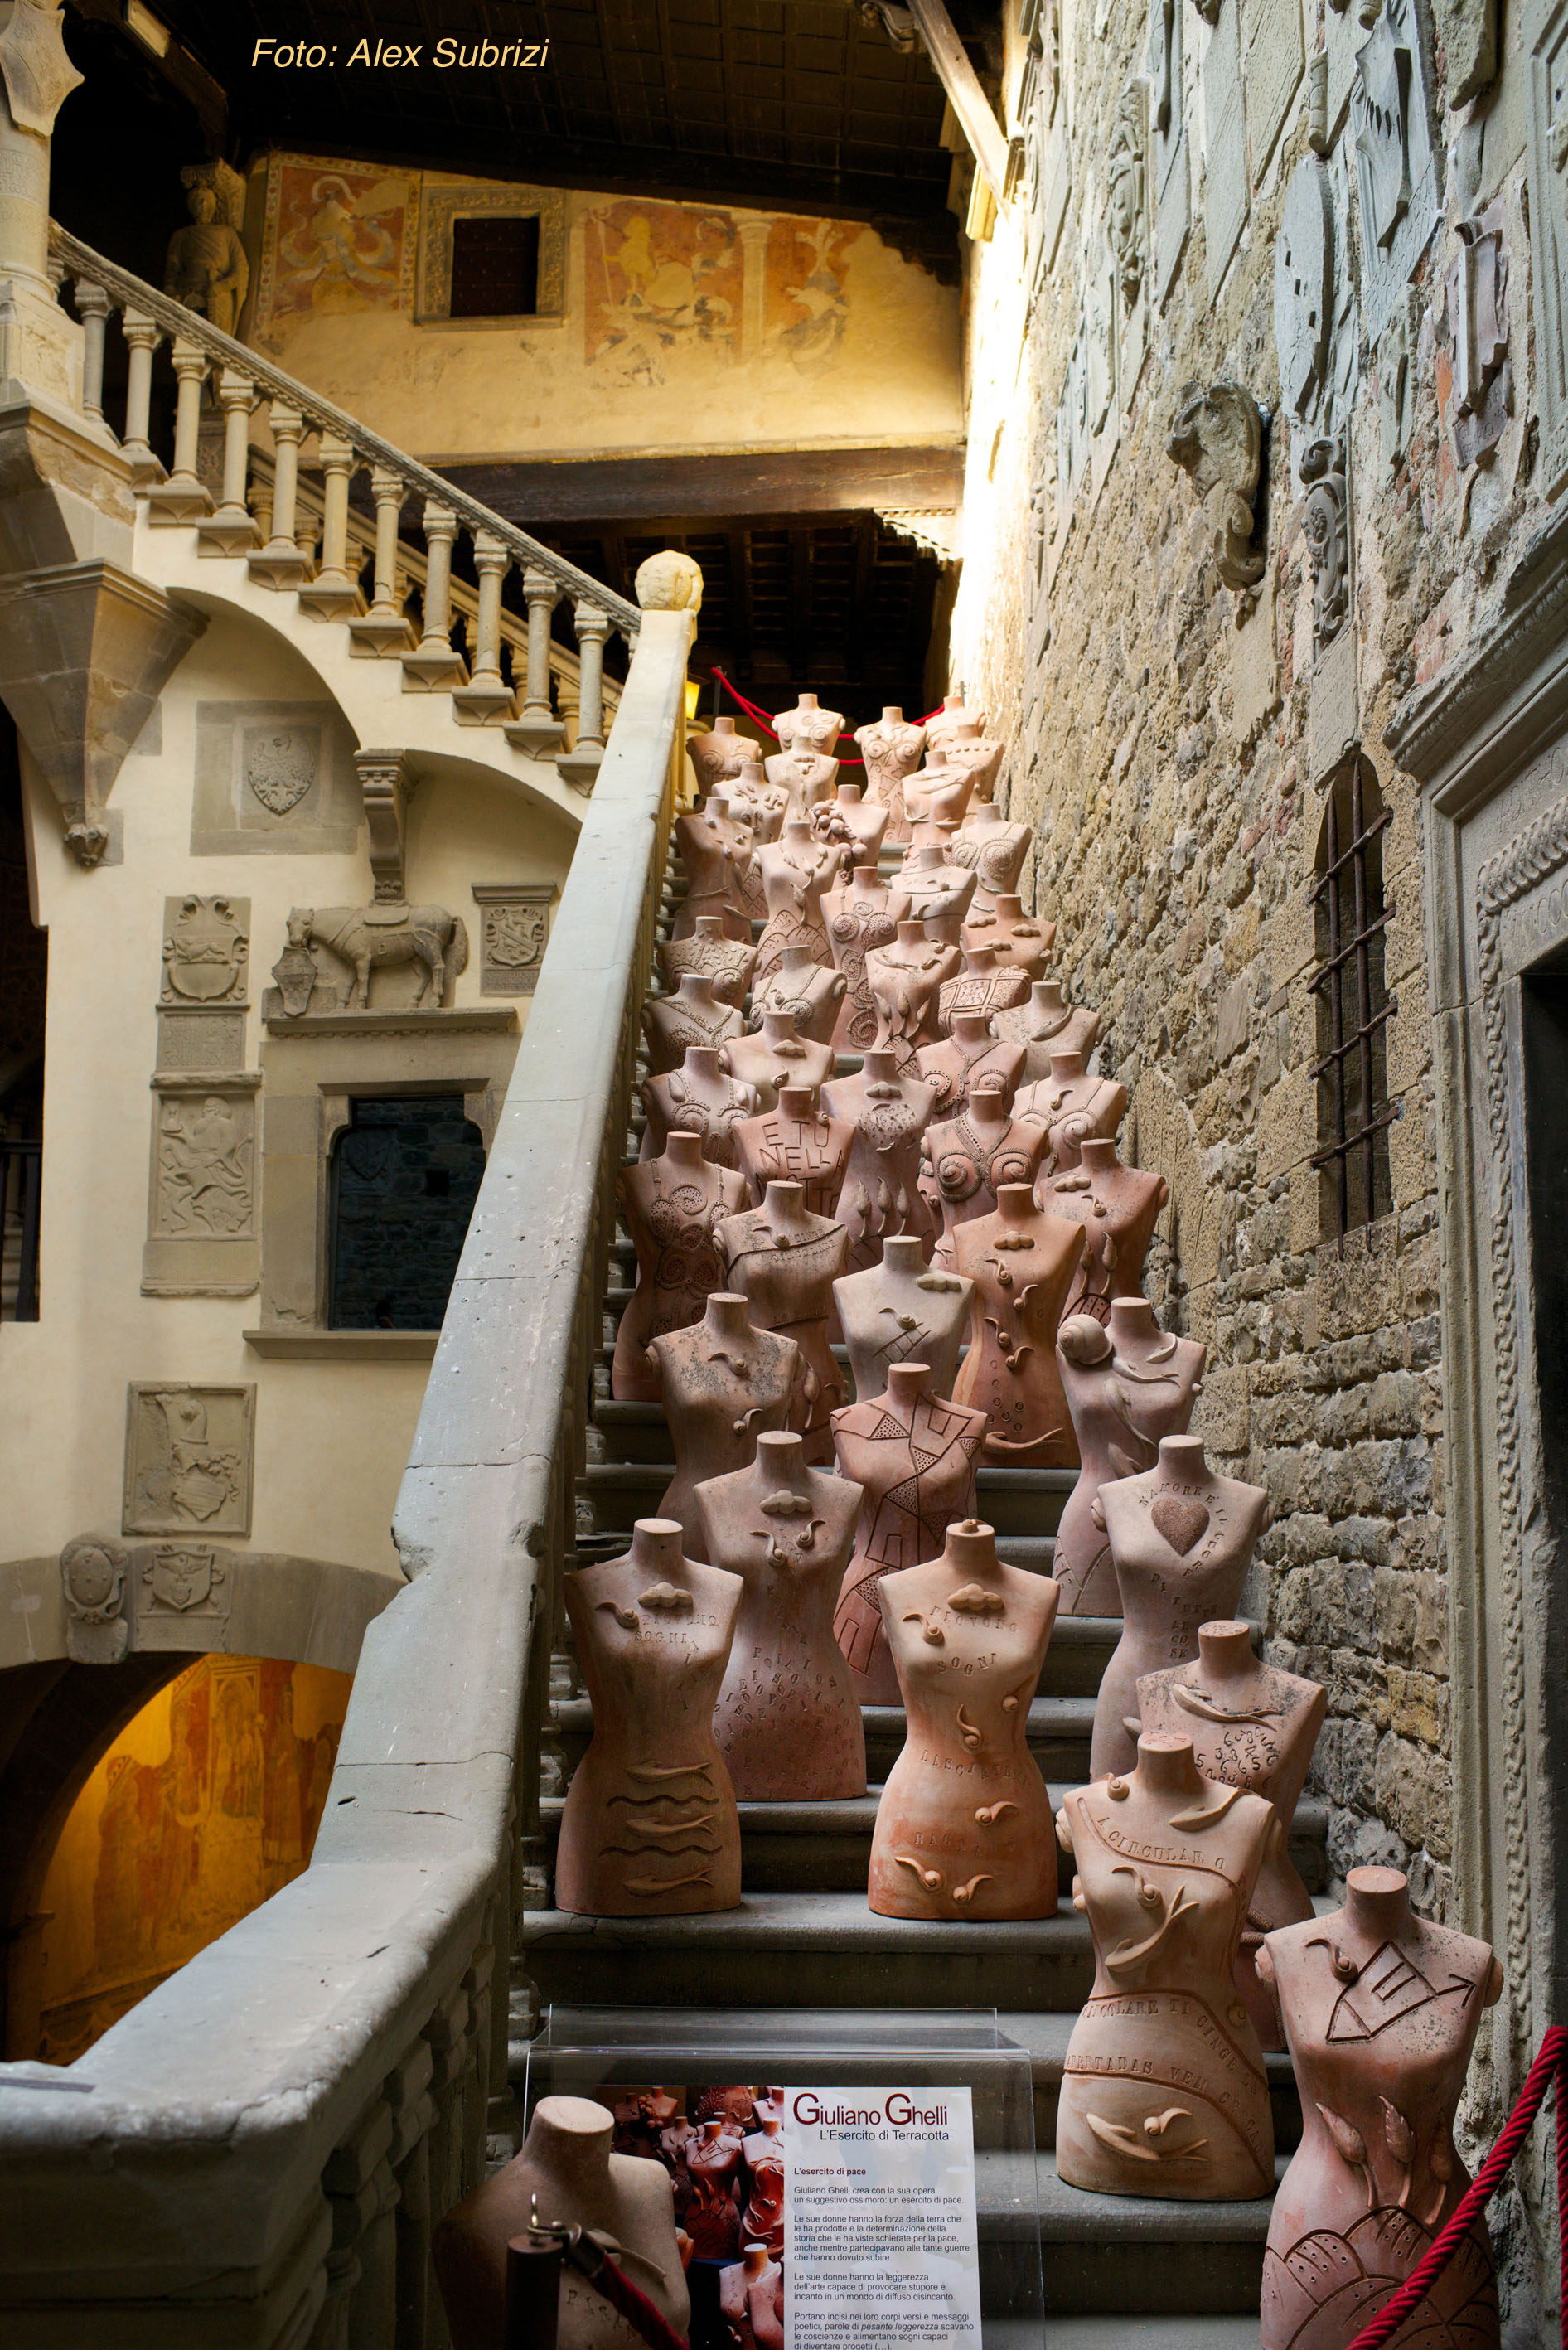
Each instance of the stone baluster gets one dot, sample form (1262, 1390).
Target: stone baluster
(408, 2092)
(538, 731)
(93, 307)
(183, 497)
(280, 563)
(581, 764)
(385, 629)
(142, 336)
(434, 665)
(232, 530)
(362, 2266)
(334, 592)
(448, 2032)
(487, 699)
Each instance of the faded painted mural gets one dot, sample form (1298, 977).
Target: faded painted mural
(660, 279)
(338, 238)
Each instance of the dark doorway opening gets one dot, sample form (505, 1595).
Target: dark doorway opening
(405, 1176)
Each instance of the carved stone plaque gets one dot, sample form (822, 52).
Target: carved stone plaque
(94, 1577)
(200, 1038)
(1546, 38)
(1304, 287)
(1055, 185)
(1225, 184)
(182, 1594)
(206, 944)
(1173, 224)
(1333, 721)
(189, 1459)
(515, 928)
(1276, 60)
(1394, 168)
(1166, 126)
(273, 778)
(1397, 381)
(204, 1186)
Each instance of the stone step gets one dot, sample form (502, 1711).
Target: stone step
(1013, 1501)
(1046, 2037)
(1142, 2256)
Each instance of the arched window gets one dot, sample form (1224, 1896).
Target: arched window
(1353, 1005)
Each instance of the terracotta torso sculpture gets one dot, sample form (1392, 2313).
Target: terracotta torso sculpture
(969, 1156)
(673, 1207)
(802, 983)
(807, 777)
(954, 1064)
(1021, 1263)
(796, 869)
(914, 1457)
(764, 807)
(797, 1142)
(994, 851)
(939, 893)
(784, 1261)
(714, 2216)
(953, 712)
(650, 1828)
(1182, 1541)
(778, 1054)
(903, 1311)
(965, 745)
(714, 853)
(1164, 2091)
(862, 822)
(1126, 1386)
(808, 724)
(1073, 1106)
(723, 1384)
(1116, 1206)
(1013, 938)
(788, 1721)
(905, 980)
(693, 1015)
(762, 2220)
(891, 750)
(861, 917)
(1047, 1022)
(565, 2175)
(751, 2289)
(881, 1189)
(1381, 2012)
(719, 755)
(933, 778)
(983, 986)
(697, 1099)
(963, 1828)
(724, 963)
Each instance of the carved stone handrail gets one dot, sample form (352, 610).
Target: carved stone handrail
(133, 293)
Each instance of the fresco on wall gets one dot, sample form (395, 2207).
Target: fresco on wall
(338, 238)
(206, 1803)
(807, 298)
(660, 280)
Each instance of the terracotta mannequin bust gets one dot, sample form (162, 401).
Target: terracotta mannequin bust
(758, 803)
(762, 2220)
(797, 1142)
(1116, 1206)
(788, 1723)
(809, 723)
(693, 1015)
(971, 1155)
(963, 1828)
(913, 1456)
(784, 1261)
(718, 754)
(801, 982)
(936, 780)
(751, 2289)
(1182, 1540)
(1381, 2013)
(724, 963)
(891, 750)
(865, 821)
(673, 1207)
(697, 1099)
(796, 869)
(713, 2217)
(905, 980)
(881, 1189)
(1013, 936)
(965, 746)
(714, 853)
(1046, 1022)
(993, 848)
(777, 1054)
(568, 2173)
(970, 1052)
(1072, 1105)
(723, 1384)
(807, 777)
(1022, 1262)
(940, 892)
(650, 1828)
(1126, 1386)
(903, 1311)
(953, 714)
(983, 986)
(860, 917)
(1164, 2091)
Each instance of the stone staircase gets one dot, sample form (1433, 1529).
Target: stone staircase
(1117, 2270)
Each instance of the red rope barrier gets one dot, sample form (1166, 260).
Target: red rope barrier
(760, 717)
(1551, 2063)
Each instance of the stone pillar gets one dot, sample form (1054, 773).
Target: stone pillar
(581, 764)
(488, 700)
(384, 629)
(182, 497)
(231, 530)
(538, 732)
(334, 592)
(92, 308)
(280, 564)
(142, 336)
(432, 663)
(41, 349)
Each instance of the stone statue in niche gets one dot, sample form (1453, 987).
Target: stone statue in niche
(93, 1579)
(777, 1055)
(903, 1311)
(787, 1723)
(719, 754)
(1126, 203)
(1013, 938)
(724, 963)
(1304, 290)
(205, 1168)
(206, 268)
(1164, 2091)
(880, 1195)
(971, 1156)
(650, 1828)
(1381, 2013)
(912, 1458)
(905, 979)
(1116, 1206)
(796, 869)
(697, 1099)
(1047, 1024)
(963, 1828)
(206, 944)
(796, 1142)
(1217, 438)
(1021, 1263)
(565, 2175)
(1072, 1106)
(891, 750)
(1182, 1540)
(367, 939)
(854, 822)
(1126, 1387)
(713, 851)
(803, 984)
(189, 1459)
(1477, 289)
(861, 916)
(674, 1208)
(960, 1061)
(808, 724)
(784, 1260)
(1325, 520)
(672, 1025)
(805, 776)
(983, 986)
(723, 1383)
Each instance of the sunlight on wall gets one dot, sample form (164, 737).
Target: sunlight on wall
(207, 1802)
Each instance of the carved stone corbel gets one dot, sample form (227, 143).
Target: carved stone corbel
(38, 74)
(1217, 437)
(388, 788)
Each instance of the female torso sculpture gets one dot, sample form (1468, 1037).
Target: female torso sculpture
(723, 1383)
(1072, 1106)
(697, 1099)
(861, 917)
(958, 1061)
(903, 1311)
(971, 1156)
(796, 868)
(807, 777)
(1126, 1385)
(1012, 935)
(796, 1142)
(891, 750)
(724, 963)
(1022, 1262)
(673, 1207)
(1116, 1206)
(881, 1189)
(1045, 1023)
(784, 1261)
(775, 1057)
(714, 853)
(800, 984)
(993, 849)
(905, 979)
(672, 1025)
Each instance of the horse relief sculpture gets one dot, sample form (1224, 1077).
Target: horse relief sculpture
(365, 940)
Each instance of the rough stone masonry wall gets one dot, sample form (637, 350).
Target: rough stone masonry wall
(1175, 826)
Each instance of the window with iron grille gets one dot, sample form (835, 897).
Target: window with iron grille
(1353, 1006)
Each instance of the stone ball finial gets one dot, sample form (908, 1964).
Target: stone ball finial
(670, 582)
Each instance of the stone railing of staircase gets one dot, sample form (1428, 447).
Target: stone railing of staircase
(255, 2156)
(304, 540)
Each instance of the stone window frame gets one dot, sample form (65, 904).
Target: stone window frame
(337, 1119)
(1349, 846)
(440, 207)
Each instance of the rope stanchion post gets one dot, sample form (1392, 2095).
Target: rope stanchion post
(533, 2292)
